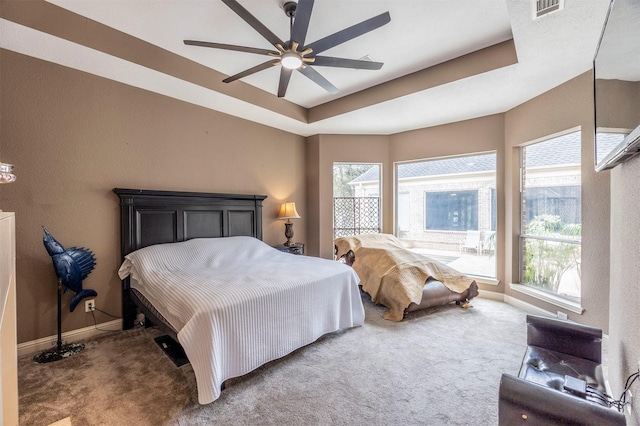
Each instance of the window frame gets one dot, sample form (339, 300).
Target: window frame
(481, 175)
(567, 301)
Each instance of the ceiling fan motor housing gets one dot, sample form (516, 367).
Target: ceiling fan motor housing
(290, 8)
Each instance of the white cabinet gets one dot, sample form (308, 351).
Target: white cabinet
(8, 337)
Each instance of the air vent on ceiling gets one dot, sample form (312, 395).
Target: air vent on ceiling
(544, 7)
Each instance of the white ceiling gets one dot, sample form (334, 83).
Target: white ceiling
(422, 33)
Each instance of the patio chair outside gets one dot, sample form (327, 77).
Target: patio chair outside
(471, 242)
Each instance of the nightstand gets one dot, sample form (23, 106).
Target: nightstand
(297, 248)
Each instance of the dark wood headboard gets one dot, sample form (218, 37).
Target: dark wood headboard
(156, 217)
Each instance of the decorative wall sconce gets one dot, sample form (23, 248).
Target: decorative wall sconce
(6, 173)
(288, 211)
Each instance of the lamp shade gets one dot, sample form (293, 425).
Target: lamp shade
(288, 211)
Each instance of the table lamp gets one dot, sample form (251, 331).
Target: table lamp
(288, 212)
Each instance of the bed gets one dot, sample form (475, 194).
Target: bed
(195, 264)
(400, 279)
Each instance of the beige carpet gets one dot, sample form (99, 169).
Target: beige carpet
(440, 366)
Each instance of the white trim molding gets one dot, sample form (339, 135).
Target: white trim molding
(45, 343)
(484, 280)
(548, 297)
(493, 295)
(527, 307)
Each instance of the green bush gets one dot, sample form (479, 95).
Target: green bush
(546, 261)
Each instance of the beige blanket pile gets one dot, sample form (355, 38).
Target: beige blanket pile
(394, 276)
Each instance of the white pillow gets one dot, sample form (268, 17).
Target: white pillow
(195, 253)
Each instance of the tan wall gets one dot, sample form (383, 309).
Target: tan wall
(566, 107)
(623, 110)
(324, 150)
(314, 202)
(73, 137)
(618, 104)
(624, 333)
(471, 136)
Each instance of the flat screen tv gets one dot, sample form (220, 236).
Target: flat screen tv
(617, 86)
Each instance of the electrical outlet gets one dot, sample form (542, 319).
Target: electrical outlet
(562, 315)
(89, 305)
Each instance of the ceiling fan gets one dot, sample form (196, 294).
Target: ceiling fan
(294, 54)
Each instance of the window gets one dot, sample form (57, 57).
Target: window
(356, 199)
(452, 210)
(446, 209)
(404, 214)
(551, 215)
(561, 201)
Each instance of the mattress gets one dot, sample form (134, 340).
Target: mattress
(238, 303)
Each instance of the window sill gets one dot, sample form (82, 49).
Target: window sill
(547, 297)
(484, 280)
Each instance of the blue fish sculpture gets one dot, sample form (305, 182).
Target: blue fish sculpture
(72, 265)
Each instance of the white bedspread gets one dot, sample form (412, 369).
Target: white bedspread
(238, 303)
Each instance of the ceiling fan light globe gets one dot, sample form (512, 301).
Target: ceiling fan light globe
(291, 60)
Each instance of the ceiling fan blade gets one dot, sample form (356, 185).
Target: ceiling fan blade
(315, 76)
(251, 20)
(250, 71)
(350, 33)
(301, 21)
(285, 77)
(328, 61)
(231, 47)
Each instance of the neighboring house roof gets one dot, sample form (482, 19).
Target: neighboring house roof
(371, 175)
(606, 142)
(448, 166)
(561, 150)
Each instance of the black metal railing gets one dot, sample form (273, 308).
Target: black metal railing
(356, 215)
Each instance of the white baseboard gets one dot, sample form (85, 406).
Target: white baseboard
(493, 295)
(69, 337)
(527, 307)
